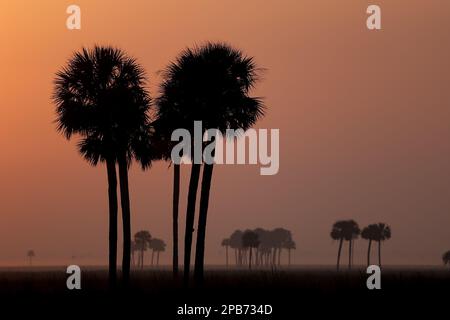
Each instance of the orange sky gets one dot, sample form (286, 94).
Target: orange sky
(364, 119)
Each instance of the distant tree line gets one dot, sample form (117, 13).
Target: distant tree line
(259, 247)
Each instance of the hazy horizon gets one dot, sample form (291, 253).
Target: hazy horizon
(364, 119)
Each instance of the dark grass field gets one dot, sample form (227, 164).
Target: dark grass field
(290, 292)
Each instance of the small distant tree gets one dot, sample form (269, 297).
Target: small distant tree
(30, 255)
(382, 232)
(347, 230)
(446, 258)
(236, 244)
(289, 245)
(142, 240)
(158, 246)
(250, 240)
(369, 233)
(226, 244)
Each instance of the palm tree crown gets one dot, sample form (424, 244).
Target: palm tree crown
(101, 95)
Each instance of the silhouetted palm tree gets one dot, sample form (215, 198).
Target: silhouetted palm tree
(224, 81)
(347, 230)
(134, 248)
(100, 95)
(382, 232)
(289, 245)
(236, 244)
(158, 246)
(226, 244)
(446, 258)
(278, 237)
(142, 240)
(369, 233)
(30, 256)
(250, 240)
(210, 84)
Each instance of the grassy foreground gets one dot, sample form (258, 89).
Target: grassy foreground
(288, 291)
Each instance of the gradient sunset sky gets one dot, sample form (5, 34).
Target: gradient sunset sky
(364, 119)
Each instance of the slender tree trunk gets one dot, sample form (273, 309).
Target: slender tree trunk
(279, 256)
(190, 216)
(350, 254)
(339, 253)
(250, 259)
(175, 204)
(274, 257)
(379, 253)
(153, 254)
(368, 252)
(157, 258)
(289, 257)
(226, 253)
(201, 229)
(235, 256)
(113, 209)
(126, 217)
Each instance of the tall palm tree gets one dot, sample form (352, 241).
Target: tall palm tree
(226, 244)
(222, 82)
(344, 230)
(446, 258)
(30, 256)
(369, 233)
(209, 84)
(100, 96)
(382, 233)
(142, 240)
(250, 240)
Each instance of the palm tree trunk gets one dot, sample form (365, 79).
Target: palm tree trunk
(368, 252)
(250, 259)
(175, 204)
(126, 217)
(153, 254)
(113, 208)
(279, 256)
(350, 254)
(190, 216)
(157, 258)
(339, 253)
(379, 253)
(201, 229)
(226, 253)
(274, 256)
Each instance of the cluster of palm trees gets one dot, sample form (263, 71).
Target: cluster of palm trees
(348, 230)
(260, 247)
(101, 98)
(143, 241)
